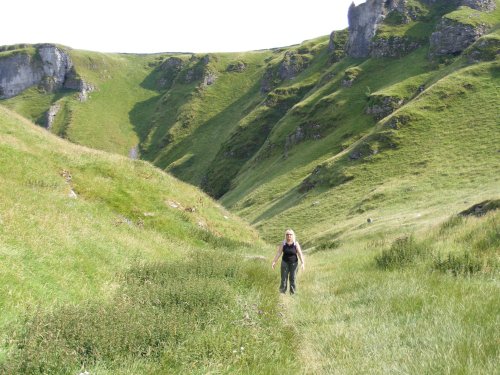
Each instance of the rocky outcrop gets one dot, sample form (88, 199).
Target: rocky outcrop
(169, 71)
(394, 46)
(452, 37)
(237, 67)
(486, 48)
(364, 20)
(51, 115)
(292, 64)
(309, 131)
(337, 45)
(209, 78)
(75, 82)
(483, 5)
(20, 70)
(350, 76)
(381, 106)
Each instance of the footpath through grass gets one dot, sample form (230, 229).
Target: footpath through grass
(111, 266)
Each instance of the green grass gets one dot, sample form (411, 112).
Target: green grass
(395, 281)
(472, 17)
(413, 317)
(15, 50)
(211, 115)
(104, 121)
(139, 272)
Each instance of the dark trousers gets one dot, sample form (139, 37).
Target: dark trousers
(288, 271)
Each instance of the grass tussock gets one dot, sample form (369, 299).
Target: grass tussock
(403, 251)
(460, 246)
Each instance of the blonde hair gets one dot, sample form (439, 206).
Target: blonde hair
(293, 234)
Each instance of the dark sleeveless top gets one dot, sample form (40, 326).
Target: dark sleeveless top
(290, 253)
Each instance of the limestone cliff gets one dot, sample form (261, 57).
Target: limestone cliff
(363, 23)
(20, 70)
(365, 20)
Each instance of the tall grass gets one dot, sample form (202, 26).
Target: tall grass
(358, 318)
(209, 312)
(133, 272)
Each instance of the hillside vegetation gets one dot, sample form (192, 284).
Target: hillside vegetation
(387, 168)
(302, 131)
(110, 265)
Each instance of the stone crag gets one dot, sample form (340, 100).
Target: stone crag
(19, 71)
(449, 37)
(50, 68)
(452, 37)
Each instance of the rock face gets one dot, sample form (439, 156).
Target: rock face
(381, 106)
(486, 48)
(363, 23)
(292, 64)
(452, 37)
(392, 47)
(19, 71)
(337, 45)
(483, 5)
(51, 115)
(449, 38)
(74, 82)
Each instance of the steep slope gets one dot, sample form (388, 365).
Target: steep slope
(114, 263)
(407, 134)
(94, 106)
(281, 133)
(440, 146)
(367, 144)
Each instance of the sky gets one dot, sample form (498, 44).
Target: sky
(150, 26)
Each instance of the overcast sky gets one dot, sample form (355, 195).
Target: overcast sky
(148, 26)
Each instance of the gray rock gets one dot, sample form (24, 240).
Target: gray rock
(237, 67)
(382, 106)
(483, 5)
(55, 63)
(486, 48)
(291, 65)
(309, 131)
(172, 63)
(364, 20)
(209, 78)
(21, 70)
(51, 115)
(392, 47)
(331, 42)
(452, 38)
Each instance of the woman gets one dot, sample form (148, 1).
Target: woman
(292, 252)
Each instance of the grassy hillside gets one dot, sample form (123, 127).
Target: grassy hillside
(368, 160)
(423, 302)
(434, 152)
(110, 265)
(103, 121)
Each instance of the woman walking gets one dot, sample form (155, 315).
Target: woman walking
(292, 252)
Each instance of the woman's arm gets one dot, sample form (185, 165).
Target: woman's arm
(278, 254)
(301, 256)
